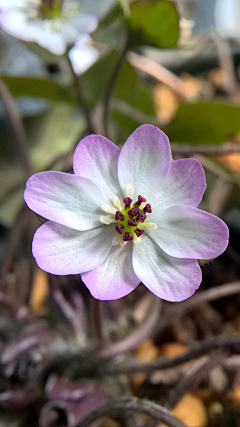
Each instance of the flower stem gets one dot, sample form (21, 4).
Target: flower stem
(132, 341)
(133, 404)
(96, 320)
(17, 127)
(110, 86)
(80, 97)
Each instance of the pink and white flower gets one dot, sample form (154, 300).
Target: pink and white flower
(126, 216)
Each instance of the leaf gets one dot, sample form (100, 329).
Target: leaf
(204, 123)
(154, 23)
(42, 88)
(50, 135)
(128, 88)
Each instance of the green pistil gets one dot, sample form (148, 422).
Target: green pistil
(127, 228)
(51, 9)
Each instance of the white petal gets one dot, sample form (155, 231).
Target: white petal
(68, 199)
(96, 158)
(144, 161)
(61, 250)
(187, 232)
(184, 185)
(115, 277)
(169, 278)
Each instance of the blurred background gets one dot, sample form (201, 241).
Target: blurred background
(73, 67)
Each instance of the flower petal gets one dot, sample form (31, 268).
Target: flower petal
(115, 277)
(186, 232)
(68, 199)
(96, 158)
(61, 250)
(185, 185)
(169, 278)
(144, 161)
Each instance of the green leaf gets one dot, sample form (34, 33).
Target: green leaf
(128, 88)
(154, 23)
(204, 123)
(42, 88)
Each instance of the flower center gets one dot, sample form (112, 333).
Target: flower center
(51, 9)
(129, 219)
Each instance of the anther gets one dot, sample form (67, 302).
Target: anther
(132, 222)
(119, 228)
(147, 208)
(138, 232)
(127, 237)
(141, 217)
(134, 211)
(119, 216)
(127, 202)
(140, 200)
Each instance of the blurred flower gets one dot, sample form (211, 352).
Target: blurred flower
(227, 16)
(83, 54)
(53, 24)
(126, 216)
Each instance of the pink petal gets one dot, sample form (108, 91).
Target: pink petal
(68, 199)
(185, 185)
(115, 277)
(144, 161)
(96, 158)
(186, 232)
(60, 250)
(171, 279)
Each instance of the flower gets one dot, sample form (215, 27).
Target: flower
(53, 24)
(126, 216)
(83, 55)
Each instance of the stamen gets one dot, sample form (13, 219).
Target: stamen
(127, 237)
(132, 222)
(119, 228)
(117, 202)
(149, 225)
(141, 217)
(138, 232)
(117, 240)
(119, 216)
(108, 208)
(147, 209)
(127, 202)
(140, 201)
(134, 212)
(106, 220)
(129, 190)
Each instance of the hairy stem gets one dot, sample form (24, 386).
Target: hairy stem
(109, 88)
(17, 127)
(133, 404)
(144, 331)
(80, 97)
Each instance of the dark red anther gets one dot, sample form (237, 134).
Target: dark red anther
(140, 200)
(134, 211)
(147, 208)
(138, 232)
(141, 217)
(127, 237)
(127, 202)
(118, 216)
(119, 228)
(132, 222)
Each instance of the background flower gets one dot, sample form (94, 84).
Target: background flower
(126, 216)
(52, 27)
